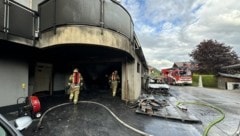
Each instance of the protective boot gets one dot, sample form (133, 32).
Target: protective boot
(114, 88)
(71, 96)
(76, 94)
(114, 93)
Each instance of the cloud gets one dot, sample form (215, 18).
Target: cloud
(169, 30)
(219, 21)
(161, 64)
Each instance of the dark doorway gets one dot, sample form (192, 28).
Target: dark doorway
(96, 75)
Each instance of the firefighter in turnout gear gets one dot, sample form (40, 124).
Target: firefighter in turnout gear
(75, 82)
(114, 79)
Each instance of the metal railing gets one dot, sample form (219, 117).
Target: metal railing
(17, 20)
(106, 14)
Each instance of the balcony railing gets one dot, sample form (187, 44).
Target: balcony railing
(100, 13)
(17, 20)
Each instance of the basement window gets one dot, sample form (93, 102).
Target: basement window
(138, 67)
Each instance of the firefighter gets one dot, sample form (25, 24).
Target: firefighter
(75, 82)
(114, 79)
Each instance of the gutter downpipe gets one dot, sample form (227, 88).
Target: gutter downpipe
(102, 16)
(6, 19)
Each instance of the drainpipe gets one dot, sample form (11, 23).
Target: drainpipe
(6, 18)
(126, 82)
(102, 15)
(54, 17)
(35, 29)
(34, 24)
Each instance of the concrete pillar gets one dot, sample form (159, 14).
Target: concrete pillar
(131, 81)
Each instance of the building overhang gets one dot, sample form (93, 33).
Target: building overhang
(87, 37)
(236, 66)
(82, 53)
(230, 75)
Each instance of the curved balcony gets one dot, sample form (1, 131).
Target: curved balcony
(88, 22)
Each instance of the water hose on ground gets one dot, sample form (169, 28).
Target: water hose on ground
(54, 107)
(91, 102)
(210, 125)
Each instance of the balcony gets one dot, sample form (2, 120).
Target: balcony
(102, 23)
(17, 23)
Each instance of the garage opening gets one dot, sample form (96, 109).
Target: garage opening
(95, 63)
(96, 78)
(96, 75)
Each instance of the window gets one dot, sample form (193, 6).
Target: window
(138, 67)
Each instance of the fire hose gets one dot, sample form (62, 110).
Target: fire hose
(206, 130)
(99, 104)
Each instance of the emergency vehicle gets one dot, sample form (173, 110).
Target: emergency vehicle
(176, 76)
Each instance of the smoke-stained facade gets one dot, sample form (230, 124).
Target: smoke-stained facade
(53, 37)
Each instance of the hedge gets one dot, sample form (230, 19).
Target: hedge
(207, 80)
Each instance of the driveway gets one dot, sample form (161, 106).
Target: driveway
(93, 120)
(226, 100)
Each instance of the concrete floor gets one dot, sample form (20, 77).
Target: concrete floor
(93, 120)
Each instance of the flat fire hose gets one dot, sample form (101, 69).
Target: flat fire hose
(206, 130)
(114, 115)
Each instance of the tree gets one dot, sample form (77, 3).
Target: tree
(154, 73)
(212, 55)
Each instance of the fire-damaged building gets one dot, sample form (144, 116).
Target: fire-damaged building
(41, 42)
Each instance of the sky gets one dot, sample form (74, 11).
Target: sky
(169, 30)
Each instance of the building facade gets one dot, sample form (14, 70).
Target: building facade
(42, 41)
(229, 77)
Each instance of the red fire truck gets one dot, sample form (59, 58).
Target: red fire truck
(176, 76)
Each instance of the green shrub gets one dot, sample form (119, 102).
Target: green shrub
(207, 80)
(195, 79)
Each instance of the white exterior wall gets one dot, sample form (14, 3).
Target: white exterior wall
(35, 4)
(131, 77)
(138, 79)
(230, 85)
(32, 4)
(27, 3)
(123, 81)
(13, 74)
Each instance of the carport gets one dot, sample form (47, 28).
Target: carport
(95, 63)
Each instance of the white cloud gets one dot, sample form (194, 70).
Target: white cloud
(169, 30)
(161, 64)
(219, 21)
